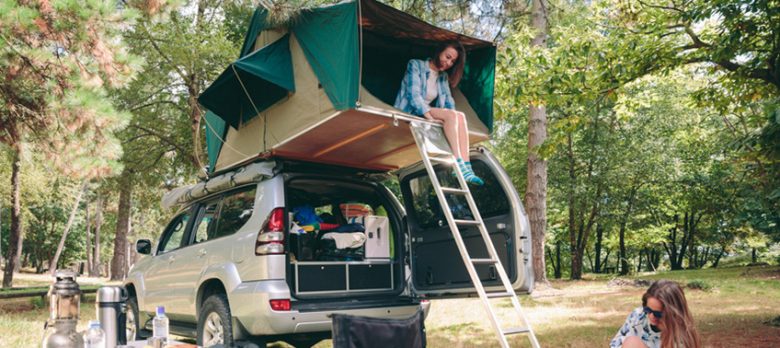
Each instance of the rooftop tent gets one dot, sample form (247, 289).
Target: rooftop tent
(268, 70)
(347, 62)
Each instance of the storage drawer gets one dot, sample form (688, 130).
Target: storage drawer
(321, 277)
(362, 277)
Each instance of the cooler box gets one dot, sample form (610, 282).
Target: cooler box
(377, 237)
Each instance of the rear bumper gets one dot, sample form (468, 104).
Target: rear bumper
(249, 305)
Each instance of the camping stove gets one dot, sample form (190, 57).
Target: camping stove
(64, 301)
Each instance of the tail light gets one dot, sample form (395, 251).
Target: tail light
(280, 305)
(270, 240)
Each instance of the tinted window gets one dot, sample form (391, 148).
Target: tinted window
(174, 234)
(207, 222)
(490, 198)
(236, 210)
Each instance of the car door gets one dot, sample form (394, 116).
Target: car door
(190, 261)
(159, 289)
(436, 264)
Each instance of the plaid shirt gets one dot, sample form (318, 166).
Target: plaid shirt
(411, 96)
(637, 324)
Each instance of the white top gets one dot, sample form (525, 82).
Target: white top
(432, 89)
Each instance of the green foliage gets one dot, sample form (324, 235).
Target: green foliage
(38, 302)
(58, 59)
(698, 284)
(650, 120)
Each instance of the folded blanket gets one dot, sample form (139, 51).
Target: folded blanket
(346, 240)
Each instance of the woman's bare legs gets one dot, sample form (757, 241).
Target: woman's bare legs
(456, 131)
(454, 124)
(463, 135)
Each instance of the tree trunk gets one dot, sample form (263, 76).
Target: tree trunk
(717, 258)
(15, 238)
(573, 247)
(550, 254)
(754, 256)
(622, 237)
(589, 257)
(88, 238)
(119, 261)
(558, 260)
(675, 255)
(536, 192)
(193, 90)
(98, 223)
(56, 258)
(599, 238)
(576, 265)
(693, 253)
(639, 261)
(623, 261)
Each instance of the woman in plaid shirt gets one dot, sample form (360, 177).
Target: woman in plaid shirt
(429, 81)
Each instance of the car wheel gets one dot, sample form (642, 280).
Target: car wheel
(214, 322)
(133, 327)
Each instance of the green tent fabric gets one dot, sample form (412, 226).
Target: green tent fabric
(329, 38)
(478, 83)
(216, 128)
(251, 84)
(256, 25)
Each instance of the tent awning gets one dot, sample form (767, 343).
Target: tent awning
(251, 84)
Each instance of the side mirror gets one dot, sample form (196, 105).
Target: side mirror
(143, 246)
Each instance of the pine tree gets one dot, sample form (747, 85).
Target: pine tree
(57, 59)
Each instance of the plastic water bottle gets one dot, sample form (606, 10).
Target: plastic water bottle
(160, 324)
(94, 337)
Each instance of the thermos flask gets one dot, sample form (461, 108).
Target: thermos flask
(112, 311)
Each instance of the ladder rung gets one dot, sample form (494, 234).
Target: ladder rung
(467, 222)
(501, 294)
(438, 154)
(454, 190)
(444, 160)
(483, 261)
(515, 330)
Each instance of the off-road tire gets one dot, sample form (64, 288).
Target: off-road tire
(132, 309)
(215, 306)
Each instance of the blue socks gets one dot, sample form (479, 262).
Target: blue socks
(468, 173)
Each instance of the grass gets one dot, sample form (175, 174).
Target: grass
(735, 311)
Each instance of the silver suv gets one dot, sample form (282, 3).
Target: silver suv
(239, 265)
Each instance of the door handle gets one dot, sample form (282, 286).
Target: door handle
(201, 252)
(171, 259)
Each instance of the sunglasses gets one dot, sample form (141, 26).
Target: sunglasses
(657, 314)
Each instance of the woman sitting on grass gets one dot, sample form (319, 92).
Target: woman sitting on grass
(663, 321)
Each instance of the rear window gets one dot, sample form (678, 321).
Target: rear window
(235, 211)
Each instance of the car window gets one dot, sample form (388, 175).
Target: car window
(174, 234)
(490, 197)
(236, 210)
(207, 222)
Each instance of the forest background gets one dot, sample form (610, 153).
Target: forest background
(645, 134)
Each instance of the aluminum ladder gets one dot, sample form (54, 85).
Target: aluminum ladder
(434, 149)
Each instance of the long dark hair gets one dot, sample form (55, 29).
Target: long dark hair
(454, 73)
(679, 329)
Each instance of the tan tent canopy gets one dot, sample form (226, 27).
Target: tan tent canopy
(327, 122)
